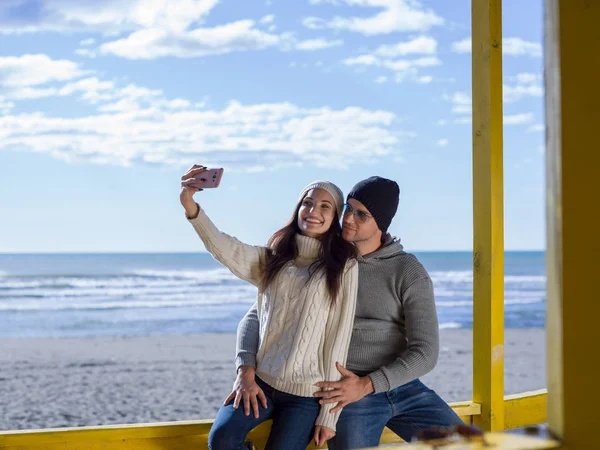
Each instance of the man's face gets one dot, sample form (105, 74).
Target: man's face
(358, 224)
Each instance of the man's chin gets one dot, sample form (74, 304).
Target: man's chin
(348, 236)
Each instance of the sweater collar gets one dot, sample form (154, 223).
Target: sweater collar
(308, 247)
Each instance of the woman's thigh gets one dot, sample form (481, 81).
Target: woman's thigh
(231, 426)
(293, 421)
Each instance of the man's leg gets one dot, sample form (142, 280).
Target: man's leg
(416, 408)
(361, 423)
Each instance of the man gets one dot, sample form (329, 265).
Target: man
(395, 339)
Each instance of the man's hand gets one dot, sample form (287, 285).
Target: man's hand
(322, 435)
(246, 389)
(350, 389)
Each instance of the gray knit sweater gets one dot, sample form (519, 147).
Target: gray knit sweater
(395, 338)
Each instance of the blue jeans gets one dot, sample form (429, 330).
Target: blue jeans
(293, 422)
(405, 410)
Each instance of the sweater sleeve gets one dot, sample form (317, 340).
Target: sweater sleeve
(247, 339)
(337, 339)
(243, 260)
(422, 335)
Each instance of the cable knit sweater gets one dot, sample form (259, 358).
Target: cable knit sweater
(301, 332)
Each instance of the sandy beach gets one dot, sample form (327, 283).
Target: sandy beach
(48, 383)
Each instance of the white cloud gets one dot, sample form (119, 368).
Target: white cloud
(135, 125)
(537, 128)
(152, 29)
(28, 93)
(363, 60)
(105, 16)
(155, 43)
(32, 70)
(528, 78)
(443, 143)
(463, 46)
(517, 46)
(423, 45)
(461, 102)
(236, 36)
(86, 42)
(525, 84)
(462, 120)
(318, 44)
(92, 90)
(403, 69)
(381, 79)
(518, 119)
(393, 16)
(510, 46)
(5, 105)
(86, 52)
(267, 19)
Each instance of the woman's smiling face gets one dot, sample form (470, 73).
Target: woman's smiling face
(316, 213)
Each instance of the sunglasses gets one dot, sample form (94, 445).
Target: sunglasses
(359, 215)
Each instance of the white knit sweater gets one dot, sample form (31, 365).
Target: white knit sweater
(302, 333)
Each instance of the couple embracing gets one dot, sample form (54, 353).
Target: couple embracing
(343, 326)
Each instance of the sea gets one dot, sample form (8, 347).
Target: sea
(143, 294)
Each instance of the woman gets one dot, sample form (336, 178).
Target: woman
(307, 280)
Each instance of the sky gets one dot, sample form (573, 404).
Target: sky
(104, 105)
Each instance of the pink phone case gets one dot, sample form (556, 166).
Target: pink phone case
(212, 177)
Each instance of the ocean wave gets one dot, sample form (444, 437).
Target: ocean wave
(128, 292)
(466, 276)
(205, 276)
(174, 302)
(141, 279)
(450, 325)
(514, 301)
(508, 293)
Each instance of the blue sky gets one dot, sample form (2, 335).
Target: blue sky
(104, 104)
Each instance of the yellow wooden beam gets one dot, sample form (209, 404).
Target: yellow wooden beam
(525, 409)
(522, 410)
(572, 65)
(488, 220)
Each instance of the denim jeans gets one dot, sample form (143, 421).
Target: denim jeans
(293, 422)
(405, 410)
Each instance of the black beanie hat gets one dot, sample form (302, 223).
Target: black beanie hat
(380, 196)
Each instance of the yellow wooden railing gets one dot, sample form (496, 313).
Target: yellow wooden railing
(520, 410)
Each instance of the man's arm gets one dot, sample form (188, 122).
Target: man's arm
(422, 334)
(247, 339)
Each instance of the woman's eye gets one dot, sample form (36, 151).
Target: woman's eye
(325, 206)
(362, 215)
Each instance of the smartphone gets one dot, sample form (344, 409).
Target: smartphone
(212, 178)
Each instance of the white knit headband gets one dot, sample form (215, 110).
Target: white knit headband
(336, 193)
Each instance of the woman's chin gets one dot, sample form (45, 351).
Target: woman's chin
(315, 233)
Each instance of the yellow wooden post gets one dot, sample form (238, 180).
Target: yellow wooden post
(572, 65)
(488, 221)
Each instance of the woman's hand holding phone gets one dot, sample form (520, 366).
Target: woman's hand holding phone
(189, 186)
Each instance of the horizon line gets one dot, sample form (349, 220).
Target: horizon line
(207, 253)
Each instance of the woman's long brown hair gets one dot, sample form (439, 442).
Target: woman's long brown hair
(334, 254)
